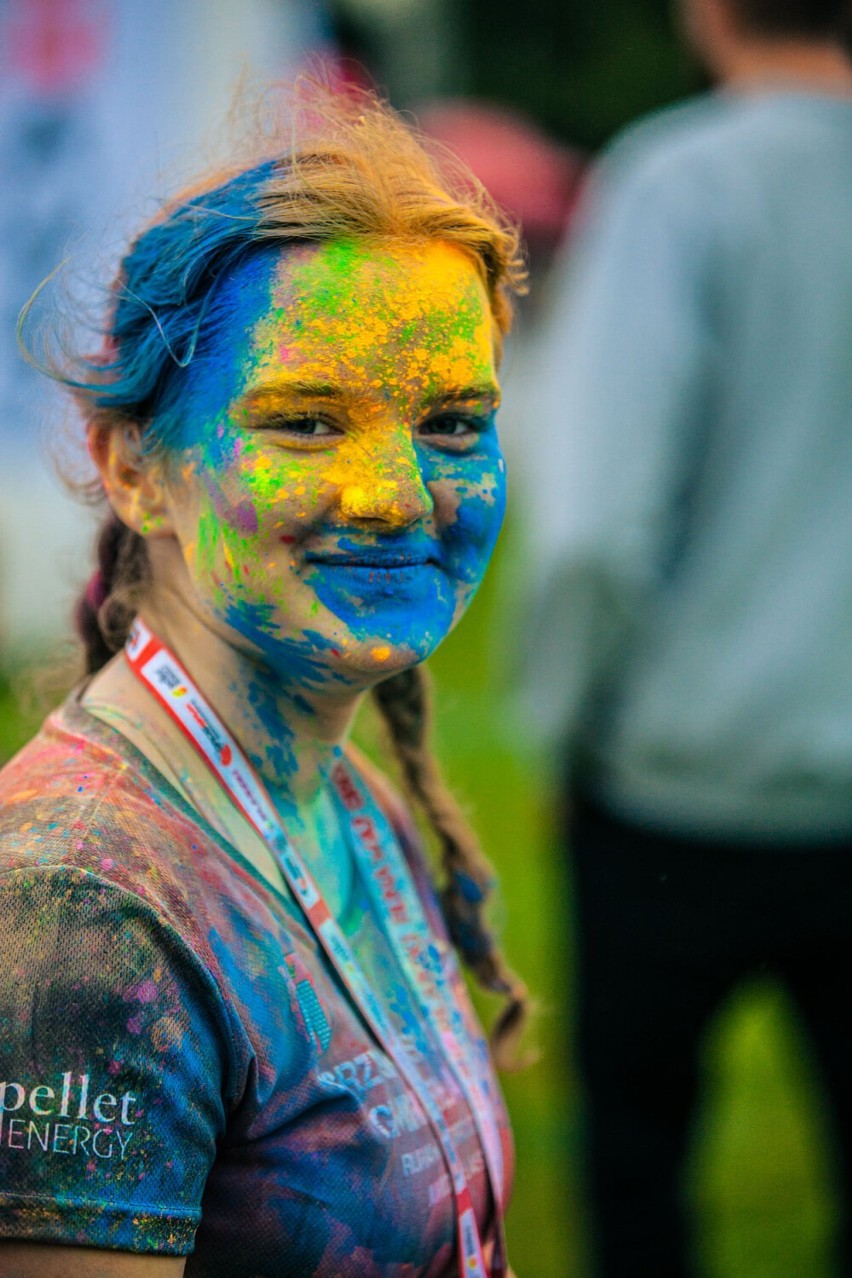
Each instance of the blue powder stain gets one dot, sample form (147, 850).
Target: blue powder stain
(220, 369)
(405, 607)
(297, 663)
(231, 953)
(279, 752)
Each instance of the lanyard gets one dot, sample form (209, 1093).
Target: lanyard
(397, 902)
(395, 898)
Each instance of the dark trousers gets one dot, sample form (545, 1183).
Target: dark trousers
(666, 927)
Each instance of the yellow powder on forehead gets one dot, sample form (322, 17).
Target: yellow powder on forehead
(393, 327)
(354, 296)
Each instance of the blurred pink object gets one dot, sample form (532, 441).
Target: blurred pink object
(533, 177)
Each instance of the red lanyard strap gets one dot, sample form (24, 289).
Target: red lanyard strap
(399, 911)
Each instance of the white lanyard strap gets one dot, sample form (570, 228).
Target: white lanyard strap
(164, 676)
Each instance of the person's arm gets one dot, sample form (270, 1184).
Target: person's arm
(39, 1260)
(116, 1060)
(612, 403)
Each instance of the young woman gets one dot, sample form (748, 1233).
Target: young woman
(235, 1038)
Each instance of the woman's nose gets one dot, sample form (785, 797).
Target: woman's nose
(387, 489)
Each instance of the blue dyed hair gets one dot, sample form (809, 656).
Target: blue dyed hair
(162, 297)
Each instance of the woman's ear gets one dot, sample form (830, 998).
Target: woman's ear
(133, 481)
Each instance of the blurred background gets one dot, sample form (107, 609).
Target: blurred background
(105, 105)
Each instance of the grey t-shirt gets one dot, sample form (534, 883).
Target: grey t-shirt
(689, 454)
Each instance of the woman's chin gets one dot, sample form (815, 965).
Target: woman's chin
(326, 652)
(372, 660)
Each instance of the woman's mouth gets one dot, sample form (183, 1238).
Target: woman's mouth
(371, 560)
(379, 558)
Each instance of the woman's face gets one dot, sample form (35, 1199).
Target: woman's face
(339, 486)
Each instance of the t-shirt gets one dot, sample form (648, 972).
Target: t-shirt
(181, 1071)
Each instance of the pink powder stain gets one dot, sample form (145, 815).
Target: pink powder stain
(144, 992)
(106, 863)
(244, 517)
(134, 1025)
(114, 1067)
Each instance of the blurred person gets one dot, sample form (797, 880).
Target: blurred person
(691, 644)
(236, 1038)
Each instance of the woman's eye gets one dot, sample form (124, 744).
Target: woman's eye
(306, 427)
(456, 426)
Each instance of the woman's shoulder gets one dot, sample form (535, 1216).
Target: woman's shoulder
(76, 789)
(79, 801)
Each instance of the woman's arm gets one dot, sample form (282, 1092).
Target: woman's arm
(36, 1260)
(114, 1055)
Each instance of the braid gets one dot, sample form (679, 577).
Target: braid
(403, 701)
(106, 608)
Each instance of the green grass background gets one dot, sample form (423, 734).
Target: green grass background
(759, 1185)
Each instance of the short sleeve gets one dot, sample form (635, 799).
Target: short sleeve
(114, 1059)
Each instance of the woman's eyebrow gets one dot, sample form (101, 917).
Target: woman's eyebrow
(295, 386)
(302, 388)
(488, 391)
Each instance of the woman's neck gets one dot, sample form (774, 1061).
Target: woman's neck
(290, 740)
(290, 733)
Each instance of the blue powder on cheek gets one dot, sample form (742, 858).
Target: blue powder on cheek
(480, 480)
(470, 541)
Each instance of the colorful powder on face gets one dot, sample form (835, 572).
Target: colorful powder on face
(360, 343)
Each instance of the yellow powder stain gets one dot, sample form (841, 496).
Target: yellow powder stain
(381, 653)
(166, 1033)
